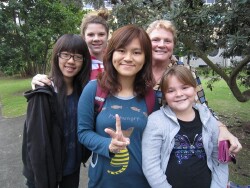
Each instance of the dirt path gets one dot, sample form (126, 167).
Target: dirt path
(11, 131)
(10, 152)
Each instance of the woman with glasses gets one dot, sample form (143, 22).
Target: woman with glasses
(51, 152)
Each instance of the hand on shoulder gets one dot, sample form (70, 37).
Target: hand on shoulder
(41, 80)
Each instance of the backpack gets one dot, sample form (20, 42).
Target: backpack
(101, 95)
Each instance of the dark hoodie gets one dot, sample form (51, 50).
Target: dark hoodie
(43, 146)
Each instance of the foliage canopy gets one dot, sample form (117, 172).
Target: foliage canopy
(29, 29)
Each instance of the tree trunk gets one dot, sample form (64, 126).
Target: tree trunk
(231, 80)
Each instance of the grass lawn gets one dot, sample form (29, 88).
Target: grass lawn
(11, 96)
(222, 101)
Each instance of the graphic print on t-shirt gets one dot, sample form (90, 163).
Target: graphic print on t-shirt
(184, 149)
(121, 159)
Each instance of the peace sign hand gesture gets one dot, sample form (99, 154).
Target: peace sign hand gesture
(119, 141)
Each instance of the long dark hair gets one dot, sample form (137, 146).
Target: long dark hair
(121, 38)
(74, 44)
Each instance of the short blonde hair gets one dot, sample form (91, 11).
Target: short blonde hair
(163, 24)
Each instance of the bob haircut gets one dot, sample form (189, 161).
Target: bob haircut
(76, 45)
(95, 18)
(163, 24)
(120, 39)
(183, 74)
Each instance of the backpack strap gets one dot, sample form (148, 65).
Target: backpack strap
(100, 98)
(150, 100)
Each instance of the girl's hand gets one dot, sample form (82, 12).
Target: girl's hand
(119, 141)
(41, 80)
(226, 135)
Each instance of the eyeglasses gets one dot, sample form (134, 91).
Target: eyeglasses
(67, 56)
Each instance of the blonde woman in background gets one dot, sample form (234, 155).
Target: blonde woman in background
(163, 36)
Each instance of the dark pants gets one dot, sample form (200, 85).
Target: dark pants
(69, 181)
(30, 184)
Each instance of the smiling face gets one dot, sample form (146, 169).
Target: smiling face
(70, 68)
(162, 44)
(129, 60)
(178, 95)
(96, 38)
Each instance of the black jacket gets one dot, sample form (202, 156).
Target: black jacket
(43, 146)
